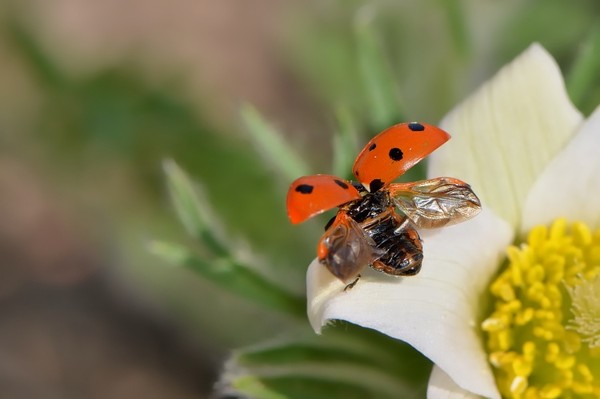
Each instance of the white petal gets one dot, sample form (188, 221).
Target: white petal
(435, 311)
(570, 185)
(441, 386)
(506, 133)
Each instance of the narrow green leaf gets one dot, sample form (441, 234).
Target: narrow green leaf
(302, 387)
(583, 76)
(233, 276)
(255, 388)
(457, 22)
(348, 344)
(272, 145)
(322, 367)
(379, 82)
(40, 64)
(193, 211)
(345, 143)
(305, 352)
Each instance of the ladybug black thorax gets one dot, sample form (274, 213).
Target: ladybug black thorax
(369, 206)
(391, 232)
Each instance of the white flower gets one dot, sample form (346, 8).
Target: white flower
(532, 158)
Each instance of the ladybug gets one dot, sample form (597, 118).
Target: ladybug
(377, 220)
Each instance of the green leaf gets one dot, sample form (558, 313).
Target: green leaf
(345, 146)
(233, 276)
(457, 23)
(379, 82)
(346, 363)
(583, 78)
(193, 211)
(255, 388)
(302, 387)
(272, 145)
(41, 65)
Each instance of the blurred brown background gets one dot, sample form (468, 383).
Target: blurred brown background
(73, 324)
(95, 94)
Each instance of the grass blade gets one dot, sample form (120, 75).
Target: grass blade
(583, 77)
(233, 276)
(192, 210)
(272, 145)
(379, 82)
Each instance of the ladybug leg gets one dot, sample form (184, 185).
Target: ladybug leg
(352, 284)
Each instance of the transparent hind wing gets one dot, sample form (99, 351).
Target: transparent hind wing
(438, 202)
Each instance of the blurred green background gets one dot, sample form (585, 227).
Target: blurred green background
(95, 95)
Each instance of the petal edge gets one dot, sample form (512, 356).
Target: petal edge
(506, 132)
(441, 386)
(570, 185)
(433, 311)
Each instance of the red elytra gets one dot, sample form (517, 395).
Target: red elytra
(311, 195)
(387, 156)
(394, 151)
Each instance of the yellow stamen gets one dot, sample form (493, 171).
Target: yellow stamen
(585, 299)
(543, 331)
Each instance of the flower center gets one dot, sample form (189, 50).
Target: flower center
(543, 332)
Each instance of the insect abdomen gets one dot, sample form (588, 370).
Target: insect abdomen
(400, 243)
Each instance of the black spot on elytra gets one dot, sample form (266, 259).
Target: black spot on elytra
(416, 127)
(372, 147)
(341, 184)
(304, 189)
(396, 154)
(375, 185)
